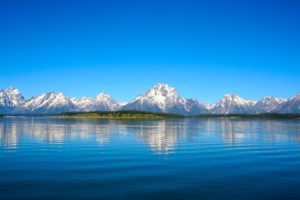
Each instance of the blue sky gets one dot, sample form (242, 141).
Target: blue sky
(203, 48)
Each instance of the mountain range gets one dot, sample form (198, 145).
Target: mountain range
(160, 98)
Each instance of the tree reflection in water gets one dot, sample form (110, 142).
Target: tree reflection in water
(162, 136)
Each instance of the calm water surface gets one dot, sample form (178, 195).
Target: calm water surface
(47, 158)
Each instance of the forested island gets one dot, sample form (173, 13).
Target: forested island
(132, 114)
(119, 115)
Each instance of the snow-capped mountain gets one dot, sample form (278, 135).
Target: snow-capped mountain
(160, 98)
(15, 96)
(268, 104)
(10, 99)
(194, 107)
(102, 102)
(48, 103)
(82, 103)
(292, 105)
(233, 104)
(163, 98)
(12, 102)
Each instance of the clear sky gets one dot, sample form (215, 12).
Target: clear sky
(205, 49)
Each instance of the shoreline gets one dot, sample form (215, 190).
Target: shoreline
(120, 115)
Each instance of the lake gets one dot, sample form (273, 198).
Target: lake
(48, 158)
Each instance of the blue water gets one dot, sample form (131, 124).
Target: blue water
(48, 158)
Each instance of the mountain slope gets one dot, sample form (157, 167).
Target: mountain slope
(268, 104)
(102, 102)
(292, 105)
(233, 104)
(163, 98)
(48, 103)
(160, 98)
(10, 100)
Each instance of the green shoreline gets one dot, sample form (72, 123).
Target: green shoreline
(131, 114)
(119, 115)
(152, 115)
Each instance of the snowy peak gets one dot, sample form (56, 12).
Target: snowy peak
(269, 100)
(272, 99)
(59, 98)
(232, 103)
(164, 98)
(162, 91)
(268, 104)
(4, 100)
(50, 102)
(53, 99)
(161, 95)
(292, 105)
(232, 98)
(159, 98)
(296, 97)
(11, 97)
(82, 102)
(102, 102)
(12, 91)
(194, 107)
(102, 97)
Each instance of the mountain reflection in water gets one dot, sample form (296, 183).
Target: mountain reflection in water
(162, 136)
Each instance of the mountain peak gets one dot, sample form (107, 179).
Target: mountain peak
(160, 98)
(162, 90)
(232, 98)
(232, 103)
(12, 97)
(54, 95)
(103, 95)
(103, 101)
(164, 98)
(268, 98)
(162, 85)
(12, 90)
(296, 97)
(272, 99)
